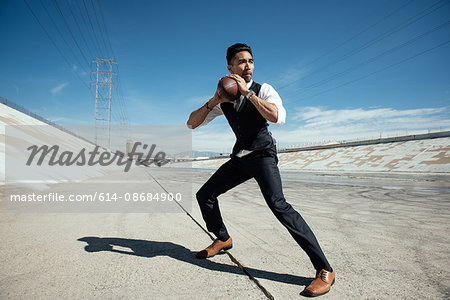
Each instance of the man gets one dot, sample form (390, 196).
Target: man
(254, 156)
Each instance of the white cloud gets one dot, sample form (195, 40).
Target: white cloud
(57, 89)
(318, 125)
(315, 116)
(198, 100)
(290, 77)
(216, 137)
(80, 72)
(70, 121)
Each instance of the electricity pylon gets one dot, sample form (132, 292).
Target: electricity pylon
(103, 92)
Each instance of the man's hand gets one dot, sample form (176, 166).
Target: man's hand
(217, 99)
(241, 84)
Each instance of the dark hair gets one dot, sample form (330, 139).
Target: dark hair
(232, 50)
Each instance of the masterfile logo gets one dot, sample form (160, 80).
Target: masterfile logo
(52, 170)
(94, 157)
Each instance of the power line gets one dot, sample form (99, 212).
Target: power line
(119, 99)
(92, 27)
(120, 102)
(99, 27)
(103, 104)
(120, 94)
(380, 37)
(61, 35)
(416, 38)
(377, 71)
(361, 32)
(79, 29)
(118, 113)
(104, 25)
(87, 27)
(55, 45)
(70, 31)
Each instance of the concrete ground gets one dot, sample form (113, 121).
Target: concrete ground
(386, 236)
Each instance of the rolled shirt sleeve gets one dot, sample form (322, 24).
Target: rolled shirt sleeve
(215, 112)
(269, 94)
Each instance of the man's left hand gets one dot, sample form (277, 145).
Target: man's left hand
(241, 83)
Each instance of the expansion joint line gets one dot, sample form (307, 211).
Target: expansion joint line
(233, 259)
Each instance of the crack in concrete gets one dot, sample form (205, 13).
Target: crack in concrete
(233, 259)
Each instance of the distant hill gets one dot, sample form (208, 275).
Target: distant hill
(195, 154)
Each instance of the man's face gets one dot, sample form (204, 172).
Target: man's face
(242, 65)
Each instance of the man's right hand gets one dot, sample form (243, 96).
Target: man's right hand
(198, 116)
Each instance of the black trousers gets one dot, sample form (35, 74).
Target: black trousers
(261, 165)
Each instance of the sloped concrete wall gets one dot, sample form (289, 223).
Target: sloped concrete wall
(432, 155)
(429, 156)
(10, 116)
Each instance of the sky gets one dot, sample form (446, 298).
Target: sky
(345, 69)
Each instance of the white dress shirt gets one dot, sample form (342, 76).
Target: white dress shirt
(266, 93)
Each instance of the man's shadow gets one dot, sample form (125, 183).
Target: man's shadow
(145, 248)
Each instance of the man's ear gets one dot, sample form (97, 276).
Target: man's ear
(229, 68)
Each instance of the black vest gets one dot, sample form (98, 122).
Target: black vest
(248, 125)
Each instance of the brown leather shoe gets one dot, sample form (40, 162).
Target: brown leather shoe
(214, 248)
(321, 285)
